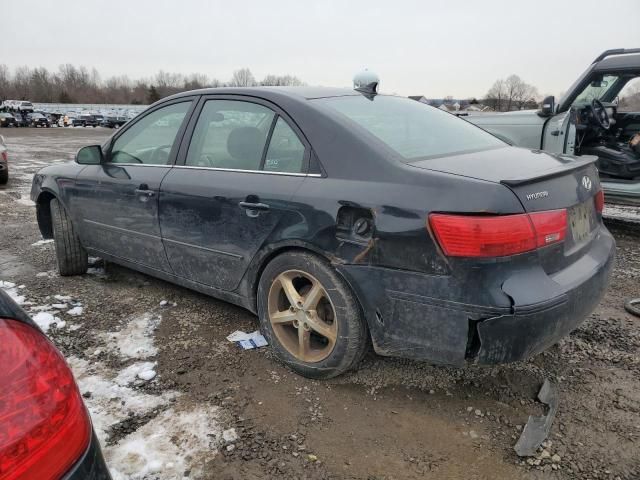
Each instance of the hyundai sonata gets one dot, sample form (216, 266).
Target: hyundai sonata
(342, 218)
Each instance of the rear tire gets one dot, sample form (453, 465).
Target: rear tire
(347, 338)
(71, 256)
(4, 177)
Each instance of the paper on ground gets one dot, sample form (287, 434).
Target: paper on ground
(247, 341)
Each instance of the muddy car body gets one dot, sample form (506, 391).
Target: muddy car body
(323, 212)
(587, 120)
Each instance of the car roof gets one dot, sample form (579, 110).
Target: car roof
(616, 62)
(273, 93)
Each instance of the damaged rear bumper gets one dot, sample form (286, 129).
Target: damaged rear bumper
(430, 317)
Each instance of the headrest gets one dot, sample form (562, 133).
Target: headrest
(246, 143)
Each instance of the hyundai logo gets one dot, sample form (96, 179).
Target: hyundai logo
(586, 183)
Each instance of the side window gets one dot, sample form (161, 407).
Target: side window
(630, 96)
(149, 140)
(286, 151)
(230, 134)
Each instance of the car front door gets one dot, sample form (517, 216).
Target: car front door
(239, 166)
(559, 135)
(118, 200)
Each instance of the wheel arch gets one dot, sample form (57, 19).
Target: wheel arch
(266, 255)
(43, 213)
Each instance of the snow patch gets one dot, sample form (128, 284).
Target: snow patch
(41, 242)
(45, 319)
(147, 375)
(11, 290)
(178, 439)
(129, 374)
(135, 340)
(75, 311)
(108, 401)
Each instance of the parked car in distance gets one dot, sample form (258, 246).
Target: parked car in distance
(21, 120)
(24, 107)
(112, 121)
(4, 162)
(88, 120)
(7, 120)
(587, 120)
(47, 432)
(98, 118)
(38, 120)
(342, 218)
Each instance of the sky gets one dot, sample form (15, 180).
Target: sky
(432, 48)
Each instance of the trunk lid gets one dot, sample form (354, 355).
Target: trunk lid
(541, 181)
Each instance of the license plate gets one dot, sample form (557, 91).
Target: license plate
(580, 220)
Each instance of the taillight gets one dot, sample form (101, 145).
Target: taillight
(44, 427)
(497, 235)
(4, 155)
(599, 201)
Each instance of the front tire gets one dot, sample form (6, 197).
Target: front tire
(310, 316)
(71, 256)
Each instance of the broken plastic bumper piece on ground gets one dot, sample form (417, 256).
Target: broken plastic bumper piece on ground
(248, 341)
(537, 428)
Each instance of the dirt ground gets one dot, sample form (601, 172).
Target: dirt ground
(392, 419)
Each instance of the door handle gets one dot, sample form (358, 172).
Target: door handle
(146, 193)
(555, 133)
(144, 190)
(253, 206)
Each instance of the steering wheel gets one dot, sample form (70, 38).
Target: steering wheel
(128, 158)
(155, 159)
(600, 114)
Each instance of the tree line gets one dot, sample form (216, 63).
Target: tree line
(71, 84)
(511, 93)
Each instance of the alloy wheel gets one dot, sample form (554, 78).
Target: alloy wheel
(302, 316)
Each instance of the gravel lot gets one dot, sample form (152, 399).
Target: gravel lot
(214, 411)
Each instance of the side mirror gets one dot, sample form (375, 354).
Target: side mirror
(548, 107)
(91, 155)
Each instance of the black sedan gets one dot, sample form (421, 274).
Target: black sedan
(342, 218)
(7, 120)
(38, 120)
(46, 430)
(113, 122)
(89, 121)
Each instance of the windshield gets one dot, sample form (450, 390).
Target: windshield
(410, 128)
(596, 90)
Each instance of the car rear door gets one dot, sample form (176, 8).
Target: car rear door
(118, 200)
(239, 166)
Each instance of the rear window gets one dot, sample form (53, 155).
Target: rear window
(412, 129)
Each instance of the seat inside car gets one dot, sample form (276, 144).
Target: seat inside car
(245, 145)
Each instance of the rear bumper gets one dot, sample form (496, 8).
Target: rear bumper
(425, 317)
(91, 466)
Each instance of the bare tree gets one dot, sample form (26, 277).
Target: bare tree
(512, 93)
(496, 96)
(5, 87)
(242, 78)
(281, 81)
(71, 84)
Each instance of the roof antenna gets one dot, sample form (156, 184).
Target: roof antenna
(366, 82)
